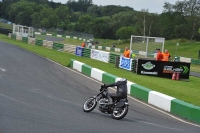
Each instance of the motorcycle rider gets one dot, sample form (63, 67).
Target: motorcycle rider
(121, 89)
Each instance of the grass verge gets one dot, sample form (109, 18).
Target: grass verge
(5, 26)
(169, 45)
(189, 49)
(186, 91)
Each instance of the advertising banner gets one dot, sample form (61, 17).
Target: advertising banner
(100, 55)
(163, 68)
(79, 51)
(125, 63)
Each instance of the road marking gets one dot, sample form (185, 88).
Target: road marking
(149, 123)
(2, 69)
(48, 95)
(189, 123)
(10, 98)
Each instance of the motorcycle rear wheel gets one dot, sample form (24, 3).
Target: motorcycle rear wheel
(119, 113)
(89, 104)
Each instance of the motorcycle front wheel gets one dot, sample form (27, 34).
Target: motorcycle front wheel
(89, 104)
(119, 113)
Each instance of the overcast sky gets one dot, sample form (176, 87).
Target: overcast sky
(154, 6)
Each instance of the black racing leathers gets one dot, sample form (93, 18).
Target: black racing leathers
(121, 89)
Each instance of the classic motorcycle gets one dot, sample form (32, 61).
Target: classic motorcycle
(117, 108)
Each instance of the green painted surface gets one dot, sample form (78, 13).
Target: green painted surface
(185, 110)
(71, 63)
(194, 61)
(86, 69)
(25, 39)
(39, 42)
(58, 46)
(13, 36)
(140, 92)
(121, 50)
(112, 49)
(86, 52)
(108, 78)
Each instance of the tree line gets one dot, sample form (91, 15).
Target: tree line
(179, 20)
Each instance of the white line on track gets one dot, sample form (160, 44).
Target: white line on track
(10, 98)
(2, 69)
(149, 123)
(114, 90)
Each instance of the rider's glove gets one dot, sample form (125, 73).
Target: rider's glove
(102, 87)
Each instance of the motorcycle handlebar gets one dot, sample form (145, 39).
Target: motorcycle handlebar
(103, 89)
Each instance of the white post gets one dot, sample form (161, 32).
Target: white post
(131, 47)
(13, 28)
(176, 47)
(163, 45)
(147, 46)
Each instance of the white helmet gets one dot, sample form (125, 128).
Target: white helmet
(123, 79)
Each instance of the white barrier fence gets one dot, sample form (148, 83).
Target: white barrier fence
(69, 48)
(31, 40)
(48, 44)
(184, 59)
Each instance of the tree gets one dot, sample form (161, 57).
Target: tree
(99, 27)
(36, 19)
(166, 25)
(193, 11)
(54, 20)
(79, 6)
(189, 12)
(83, 23)
(1, 7)
(45, 23)
(75, 16)
(93, 11)
(63, 13)
(125, 32)
(21, 11)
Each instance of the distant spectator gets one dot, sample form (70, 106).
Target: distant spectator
(113, 46)
(159, 55)
(166, 56)
(83, 44)
(127, 52)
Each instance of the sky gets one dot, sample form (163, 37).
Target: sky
(154, 6)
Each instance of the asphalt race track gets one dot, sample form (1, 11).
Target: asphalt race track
(55, 39)
(39, 96)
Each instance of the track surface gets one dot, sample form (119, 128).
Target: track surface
(49, 38)
(39, 96)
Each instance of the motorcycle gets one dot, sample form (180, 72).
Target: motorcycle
(117, 108)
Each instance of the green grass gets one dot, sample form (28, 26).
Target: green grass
(186, 91)
(5, 26)
(40, 37)
(72, 41)
(170, 45)
(186, 48)
(195, 68)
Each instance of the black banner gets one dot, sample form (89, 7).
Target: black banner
(163, 68)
